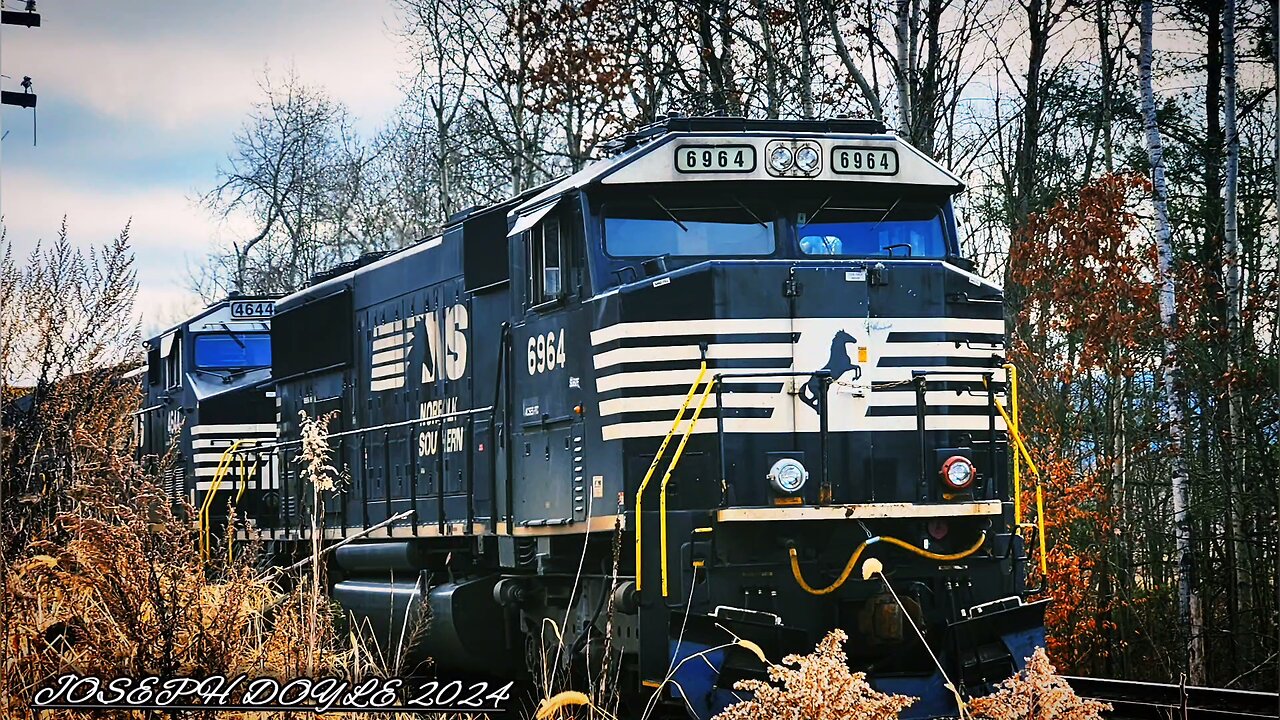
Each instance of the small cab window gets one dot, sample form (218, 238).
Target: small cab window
(546, 260)
(654, 226)
(232, 351)
(899, 230)
(171, 353)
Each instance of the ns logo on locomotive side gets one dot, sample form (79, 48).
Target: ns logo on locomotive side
(746, 354)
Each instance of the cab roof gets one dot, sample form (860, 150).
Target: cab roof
(647, 156)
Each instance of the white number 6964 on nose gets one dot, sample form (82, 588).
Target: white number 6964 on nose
(546, 352)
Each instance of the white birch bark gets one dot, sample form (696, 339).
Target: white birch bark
(903, 33)
(1231, 261)
(1188, 597)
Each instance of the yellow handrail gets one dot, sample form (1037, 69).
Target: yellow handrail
(675, 458)
(857, 553)
(244, 483)
(224, 463)
(1044, 558)
(244, 478)
(1012, 371)
(662, 449)
(1022, 448)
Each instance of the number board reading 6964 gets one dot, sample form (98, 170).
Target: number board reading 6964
(715, 158)
(847, 160)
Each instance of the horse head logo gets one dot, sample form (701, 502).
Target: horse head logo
(839, 364)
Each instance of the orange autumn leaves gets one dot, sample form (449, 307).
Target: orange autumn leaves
(1089, 319)
(1089, 267)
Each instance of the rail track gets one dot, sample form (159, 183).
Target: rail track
(1158, 701)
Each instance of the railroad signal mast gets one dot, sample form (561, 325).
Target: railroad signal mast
(26, 18)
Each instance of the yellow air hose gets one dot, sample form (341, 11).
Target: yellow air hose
(857, 554)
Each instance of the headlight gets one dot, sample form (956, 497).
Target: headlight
(807, 159)
(781, 158)
(958, 472)
(787, 476)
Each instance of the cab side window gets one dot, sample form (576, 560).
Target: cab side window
(546, 261)
(171, 355)
(173, 369)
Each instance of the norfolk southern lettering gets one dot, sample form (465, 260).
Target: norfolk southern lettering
(243, 694)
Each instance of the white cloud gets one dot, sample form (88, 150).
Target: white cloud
(195, 66)
(169, 233)
(179, 78)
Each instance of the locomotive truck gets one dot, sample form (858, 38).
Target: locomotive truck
(679, 396)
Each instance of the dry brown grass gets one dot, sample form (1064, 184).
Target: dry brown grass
(114, 586)
(126, 594)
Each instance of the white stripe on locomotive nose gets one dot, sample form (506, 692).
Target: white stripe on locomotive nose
(725, 351)
(659, 428)
(197, 430)
(222, 444)
(654, 378)
(725, 326)
(782, 402)
(932, 398)
(664, 328)
(934, 349)
(672, 403)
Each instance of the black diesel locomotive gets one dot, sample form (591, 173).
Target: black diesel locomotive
(207, 394)
(686, 391)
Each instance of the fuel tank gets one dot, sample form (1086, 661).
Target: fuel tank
(459, 627)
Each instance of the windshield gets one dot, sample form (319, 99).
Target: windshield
(232, 351)
(902, 230)
(653, 226)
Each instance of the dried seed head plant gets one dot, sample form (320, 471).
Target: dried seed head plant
(316, 453)
(1037, 693)
(315, 457)
(817, 686)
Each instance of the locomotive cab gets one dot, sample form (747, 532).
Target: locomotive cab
(822, 367)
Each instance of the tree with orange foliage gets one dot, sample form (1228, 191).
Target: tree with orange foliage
(1094, 335)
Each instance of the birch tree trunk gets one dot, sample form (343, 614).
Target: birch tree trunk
(806, 58)
(1103, 10)
(1231, 250)
(1188, 598)
(903, 33)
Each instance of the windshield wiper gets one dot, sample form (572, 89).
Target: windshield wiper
(886, 213)
(233, 335)
(670, 214)
(814, 214)
(750, 212)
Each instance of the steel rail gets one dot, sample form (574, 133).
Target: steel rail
(1141, 700)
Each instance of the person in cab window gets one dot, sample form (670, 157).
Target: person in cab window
(821, 245)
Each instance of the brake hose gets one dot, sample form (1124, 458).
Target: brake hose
(857, 553)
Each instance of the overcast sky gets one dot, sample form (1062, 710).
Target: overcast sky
(138, 103)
